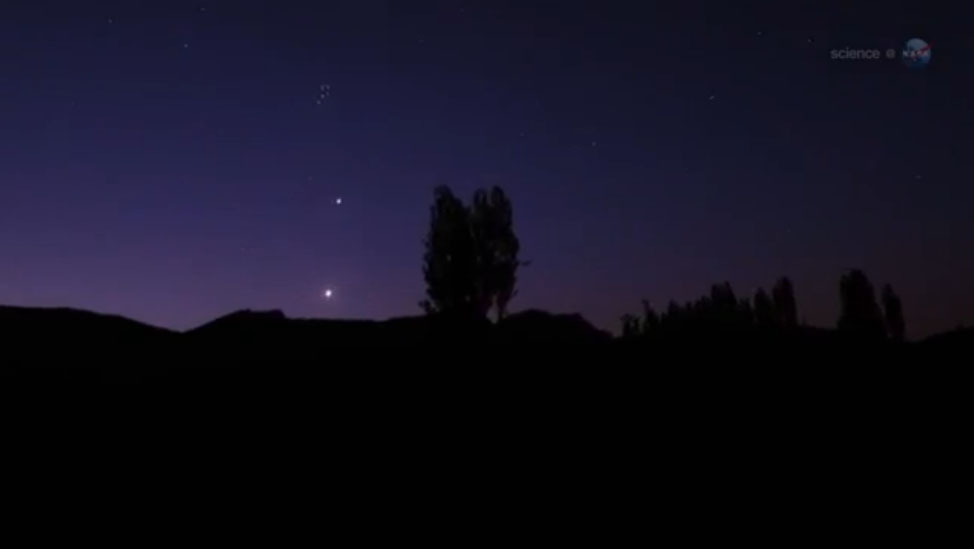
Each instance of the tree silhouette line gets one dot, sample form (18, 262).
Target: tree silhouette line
(722, 312)
(471, 262)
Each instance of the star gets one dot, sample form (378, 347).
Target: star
(324, 91)
(110, 20)
(327, 293)
(595, 143)
(338, 201)
(711, 98)
(185, 45)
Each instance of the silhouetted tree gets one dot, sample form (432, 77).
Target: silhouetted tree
(651, 320)
(719, 313)
(450, 261)
(492, 225)
(722, 296)
(471, 258)
(764, 312)
(745, 313)
(860, 315)
(785, 306)
(631, 327)
(722, 310)
(675, 318)
(893, 310)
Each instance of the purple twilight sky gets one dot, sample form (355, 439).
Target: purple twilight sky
(174, 161)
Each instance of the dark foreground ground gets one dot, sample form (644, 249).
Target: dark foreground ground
(537, 431)
(267, 349)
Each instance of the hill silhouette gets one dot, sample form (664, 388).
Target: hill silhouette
(62, 343)
(75, 344)
(41, 332)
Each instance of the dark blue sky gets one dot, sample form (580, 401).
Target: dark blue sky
(168, 160)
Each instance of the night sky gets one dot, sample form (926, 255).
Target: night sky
(175, 161)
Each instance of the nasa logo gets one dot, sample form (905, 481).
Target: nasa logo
(917, 53)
